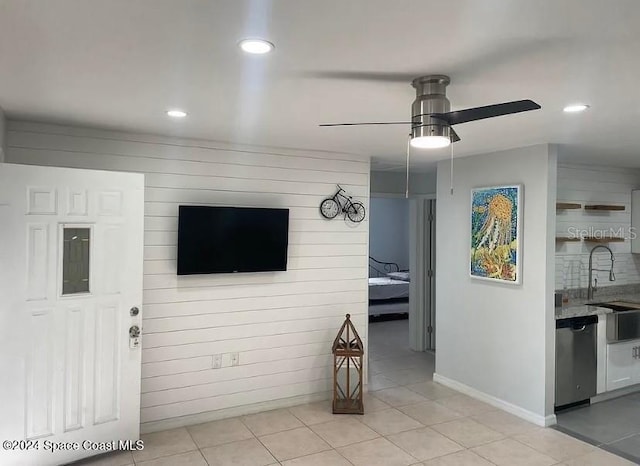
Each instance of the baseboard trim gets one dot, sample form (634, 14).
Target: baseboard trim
(497, 402)
(182, 421)
(605, 396)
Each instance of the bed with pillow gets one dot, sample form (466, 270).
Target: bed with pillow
(388, 288)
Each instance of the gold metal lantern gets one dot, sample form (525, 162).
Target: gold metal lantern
(348, 356)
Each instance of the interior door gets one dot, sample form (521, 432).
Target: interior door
(430, 258)
(71, 248)
(422, 266)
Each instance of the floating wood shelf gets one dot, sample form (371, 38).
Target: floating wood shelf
(603, 207)
(600, 239)
(566, 239)
(567, 206)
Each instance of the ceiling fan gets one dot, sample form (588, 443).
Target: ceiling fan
(431, 115)
(432, 118)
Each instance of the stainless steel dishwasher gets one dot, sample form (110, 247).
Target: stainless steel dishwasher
(576, 363)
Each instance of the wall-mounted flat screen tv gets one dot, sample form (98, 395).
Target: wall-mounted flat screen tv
(232, 239)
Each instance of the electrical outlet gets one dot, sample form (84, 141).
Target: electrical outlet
(235, 359)
(217, 361)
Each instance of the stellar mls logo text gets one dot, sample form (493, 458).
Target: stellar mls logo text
(599, 233)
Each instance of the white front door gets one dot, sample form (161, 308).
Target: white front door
(71, 246)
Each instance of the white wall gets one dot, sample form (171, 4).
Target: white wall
(282, 324)
(389, 230)
(494, 340)
(2, 135)
(592, 184)
(394, 183)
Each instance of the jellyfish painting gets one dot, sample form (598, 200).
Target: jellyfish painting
(495, 216)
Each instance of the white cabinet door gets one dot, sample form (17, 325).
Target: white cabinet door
(70, 272)
(622, 365)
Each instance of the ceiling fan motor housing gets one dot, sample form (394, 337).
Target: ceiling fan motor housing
(431, 98)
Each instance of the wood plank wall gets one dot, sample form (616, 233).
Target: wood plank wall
(282, 324)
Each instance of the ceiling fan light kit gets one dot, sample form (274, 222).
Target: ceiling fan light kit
(429, 142)
(428, 132)
(432, 119)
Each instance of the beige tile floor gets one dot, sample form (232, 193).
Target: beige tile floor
(409, 420)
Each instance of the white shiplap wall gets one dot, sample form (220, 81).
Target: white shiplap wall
(282, 323)
(588, 184)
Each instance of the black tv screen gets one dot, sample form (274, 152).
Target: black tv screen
(232, 239)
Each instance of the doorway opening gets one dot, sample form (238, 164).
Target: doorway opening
(401, 278)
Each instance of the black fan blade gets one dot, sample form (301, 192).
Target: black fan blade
(489, 111)
(453, 135)
(381, 76)
(505, 54)
(370, 123)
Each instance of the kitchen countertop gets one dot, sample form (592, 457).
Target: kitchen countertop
(580, 310)
(578, 307)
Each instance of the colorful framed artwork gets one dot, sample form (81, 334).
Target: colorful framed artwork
(496, 242)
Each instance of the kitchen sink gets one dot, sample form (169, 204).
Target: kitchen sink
(618, 306)
(624, 323)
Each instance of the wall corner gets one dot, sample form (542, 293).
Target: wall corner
(550, 328)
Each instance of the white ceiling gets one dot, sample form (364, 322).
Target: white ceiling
(122, 63)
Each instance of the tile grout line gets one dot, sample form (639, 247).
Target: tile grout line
(463, 448)
(620, 439)
(241, 419)
(197, 446)
(360, 419)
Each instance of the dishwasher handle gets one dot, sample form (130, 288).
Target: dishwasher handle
(579, 329)
(578, 323)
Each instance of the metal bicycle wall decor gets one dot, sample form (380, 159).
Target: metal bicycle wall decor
(341, 202)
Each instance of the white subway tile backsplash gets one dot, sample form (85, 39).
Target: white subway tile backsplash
(591, 185)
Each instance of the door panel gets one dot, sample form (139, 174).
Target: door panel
(77, 202)
(37, 258)
(107, 364)
(111, 276)
(422, 266)
(65, 346)
(39, 406)
(621, 365)
(74, 371)
(42, 201)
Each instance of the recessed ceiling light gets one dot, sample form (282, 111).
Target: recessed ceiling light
(176, 113)
(575, 108)
(256, 46)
